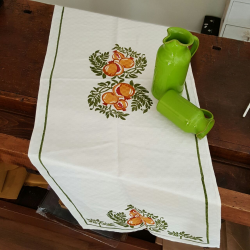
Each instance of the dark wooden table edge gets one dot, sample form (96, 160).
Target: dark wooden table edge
(20, 214)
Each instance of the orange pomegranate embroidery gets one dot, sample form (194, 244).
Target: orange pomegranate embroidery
(113, 69)
(121, 105)
(121, 93)
(110, 69)
(157, 224)
(120, 69)
(109, 98)
(137, 219)
(122, 63)
(116, 67)
(127, 62)
(124, 89)
(116, 91)
(117, 55)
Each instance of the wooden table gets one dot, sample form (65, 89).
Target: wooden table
(221, 70)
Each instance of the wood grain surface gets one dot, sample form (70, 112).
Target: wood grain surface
(16, 125)
(14, 151)
(222, 80)
(235, 207)
(18, 104)
(24, 31)
(232, 177)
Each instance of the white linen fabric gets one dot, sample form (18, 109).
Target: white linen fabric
(119, 170)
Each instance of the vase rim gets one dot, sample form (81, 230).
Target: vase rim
(180, 30)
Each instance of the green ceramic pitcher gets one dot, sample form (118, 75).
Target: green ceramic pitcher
(172, 61)
(185, 115)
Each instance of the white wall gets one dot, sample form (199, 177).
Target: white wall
(188, 14)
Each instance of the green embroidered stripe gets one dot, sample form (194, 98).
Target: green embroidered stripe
(202, 177)
(45, 125)
(46, 114)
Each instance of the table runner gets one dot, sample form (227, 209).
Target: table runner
(119, 165)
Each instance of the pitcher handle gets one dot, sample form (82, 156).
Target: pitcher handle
(194, 46)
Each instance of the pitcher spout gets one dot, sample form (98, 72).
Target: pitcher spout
(182, 36)
(206, 125)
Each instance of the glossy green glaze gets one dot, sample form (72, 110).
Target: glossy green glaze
(172, 61)
(185, 115)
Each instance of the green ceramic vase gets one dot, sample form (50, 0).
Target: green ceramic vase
(172, 61)
(185, 115)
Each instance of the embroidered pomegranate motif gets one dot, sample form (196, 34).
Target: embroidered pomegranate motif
(110, 69)
(121, 105)
(116, 91)
(127, 62)
(113, 69)
(116, 67)
(137, 219)
(142, 219)
(124, 89)
(120, 69)
(109, 98)
(112, 99)
(121, 93)
(122, 63)
(117, 55)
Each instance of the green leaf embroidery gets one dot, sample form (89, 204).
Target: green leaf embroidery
(100, 223)
(184, 235)
(121, 219)
(118, 218)
(98, 60)
(140, 100)
(128, 52)
(160, 223)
